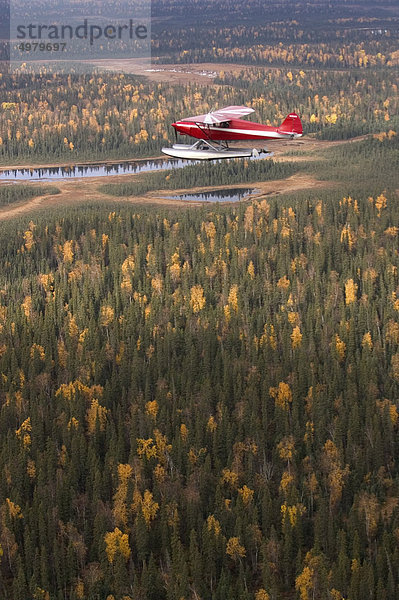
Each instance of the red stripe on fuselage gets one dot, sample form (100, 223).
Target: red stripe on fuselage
(238, 129)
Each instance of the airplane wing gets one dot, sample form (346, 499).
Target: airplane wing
(222, 115)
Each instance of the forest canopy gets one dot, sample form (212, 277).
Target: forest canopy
(201, 403)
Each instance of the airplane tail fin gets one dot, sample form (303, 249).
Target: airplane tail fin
(292, 124)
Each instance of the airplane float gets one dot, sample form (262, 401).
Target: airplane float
(214, 130)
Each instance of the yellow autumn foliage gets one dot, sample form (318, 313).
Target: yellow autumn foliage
(230, 477)
(174, 270)
(14, 510)
(96, 414)
(197, 300)
(37, 350)
(348, 236)
(211, 425)
(80, 590)
(235, 549)
(160, 473)
(107, 315)
(233, 297)
(157, 284)
(380, 203)
(183, 432)
(286, 448)
(67, 251)
(340, 347)
(23, 432)
(146, 448)
(336, 595)
(213, 525)
(27, 306)
(296, 337)
(367, 341)
(262, 594)
(28, 240)
(290, 514)
(395, 366)
(283, 283)
(31, 469)
(116, 541)
(286, 482)
(337, 474)
(304, 583)
(149, 507)
(119, 510)
(282, 395)
(251, 270)
(350, 291)
(151, 408)
(246, 494)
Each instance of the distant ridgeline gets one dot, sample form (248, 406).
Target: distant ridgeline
(201, 403)
(337, 35)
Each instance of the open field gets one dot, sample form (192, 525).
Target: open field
(80, 192)
(202, 74)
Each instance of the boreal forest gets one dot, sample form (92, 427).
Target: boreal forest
(201, 402)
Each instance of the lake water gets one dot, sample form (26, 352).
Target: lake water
(97, 169)
(92, 170)
(225, 195)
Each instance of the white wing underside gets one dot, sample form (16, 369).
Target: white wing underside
(222, 115)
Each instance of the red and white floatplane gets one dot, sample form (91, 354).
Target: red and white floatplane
(216, 129)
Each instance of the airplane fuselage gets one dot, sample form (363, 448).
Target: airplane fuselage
(236, 129)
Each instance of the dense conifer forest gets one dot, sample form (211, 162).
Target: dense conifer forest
(326, 35)
(201, 403)
(12, 193)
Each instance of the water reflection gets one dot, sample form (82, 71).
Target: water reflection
(97, 169)
(225, 195)
(93, 170)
